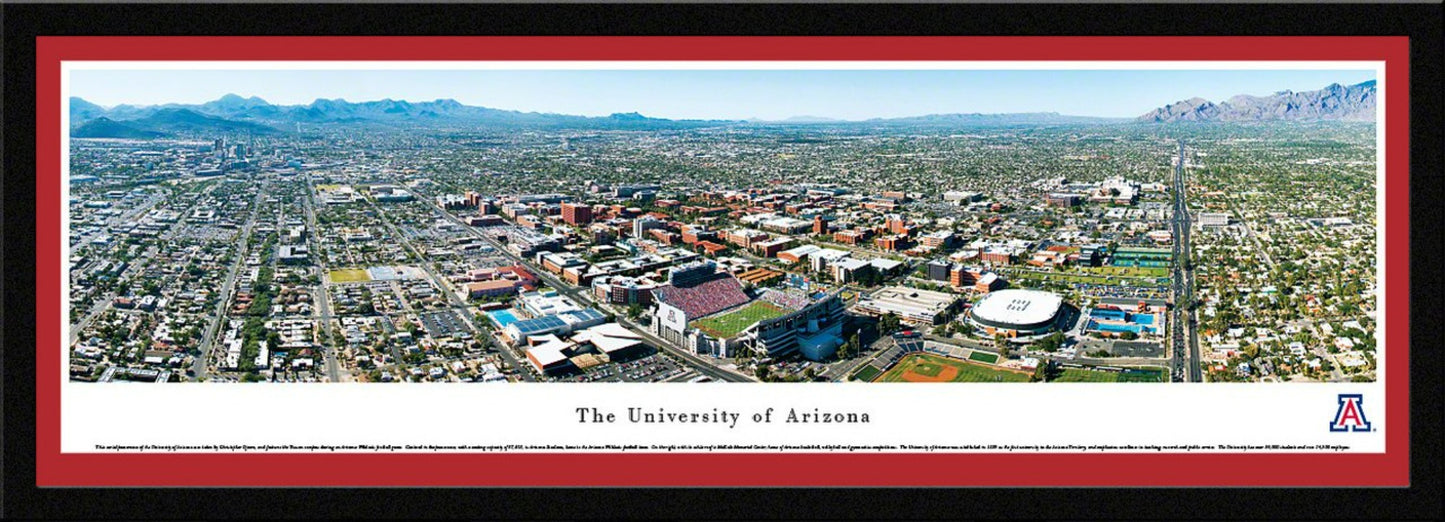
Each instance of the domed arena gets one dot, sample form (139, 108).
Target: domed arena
(1017, 312)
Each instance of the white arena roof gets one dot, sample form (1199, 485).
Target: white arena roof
(1018, 307)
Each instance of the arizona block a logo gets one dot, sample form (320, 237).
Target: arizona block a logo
(1351, 414)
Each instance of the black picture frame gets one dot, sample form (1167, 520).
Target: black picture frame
(23, 22)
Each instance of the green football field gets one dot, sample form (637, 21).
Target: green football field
(729, 324)
(922, 367)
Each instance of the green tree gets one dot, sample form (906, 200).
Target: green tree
(1052, 343)
(889, 323)
(1002, 346)
(849, 348)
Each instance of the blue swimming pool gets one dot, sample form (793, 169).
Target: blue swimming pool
(502, 317)
(1111, 327)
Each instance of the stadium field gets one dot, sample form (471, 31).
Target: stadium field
(729, 324)
(867, 374)
(983, 357)
(915, 368)
(349, 275)
(927, 369)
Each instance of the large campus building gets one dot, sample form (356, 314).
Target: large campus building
(1015, 312)
(709, 313)
(911, 305)
(779, 323)
(692, 291)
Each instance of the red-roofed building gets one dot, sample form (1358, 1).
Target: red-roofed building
(892, 243)
(491, 288)
(709, 248)
(851, 237)
(663, 236)
(518, 273)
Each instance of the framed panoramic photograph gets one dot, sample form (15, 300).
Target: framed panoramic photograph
(695, 255)
(499, 266)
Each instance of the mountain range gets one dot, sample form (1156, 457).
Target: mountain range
(234, 114)
(1334, 102)
(1018, 118)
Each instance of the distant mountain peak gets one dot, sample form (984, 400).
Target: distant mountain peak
(103, 127)
(1333, 102)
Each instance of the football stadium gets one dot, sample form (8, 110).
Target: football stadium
(693, 291)
(777, 324)
(1016, 312)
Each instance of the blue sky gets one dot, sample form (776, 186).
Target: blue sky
(718, 94)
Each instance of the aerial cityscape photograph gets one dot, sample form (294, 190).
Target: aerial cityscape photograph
(484, 225)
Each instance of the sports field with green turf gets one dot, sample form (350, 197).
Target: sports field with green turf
(867, 374)
(729, 324)
(983, 357)
(921, 367)
(350, 275)
(1142, 375)
(1129, 271)
(1082, 375)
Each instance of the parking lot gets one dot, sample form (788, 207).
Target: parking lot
(651, 368)
(1137, 349)
(445, 324)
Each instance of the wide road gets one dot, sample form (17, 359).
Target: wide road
(1185, 342)
(229, 287)
(571, 292)
(323, 300)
